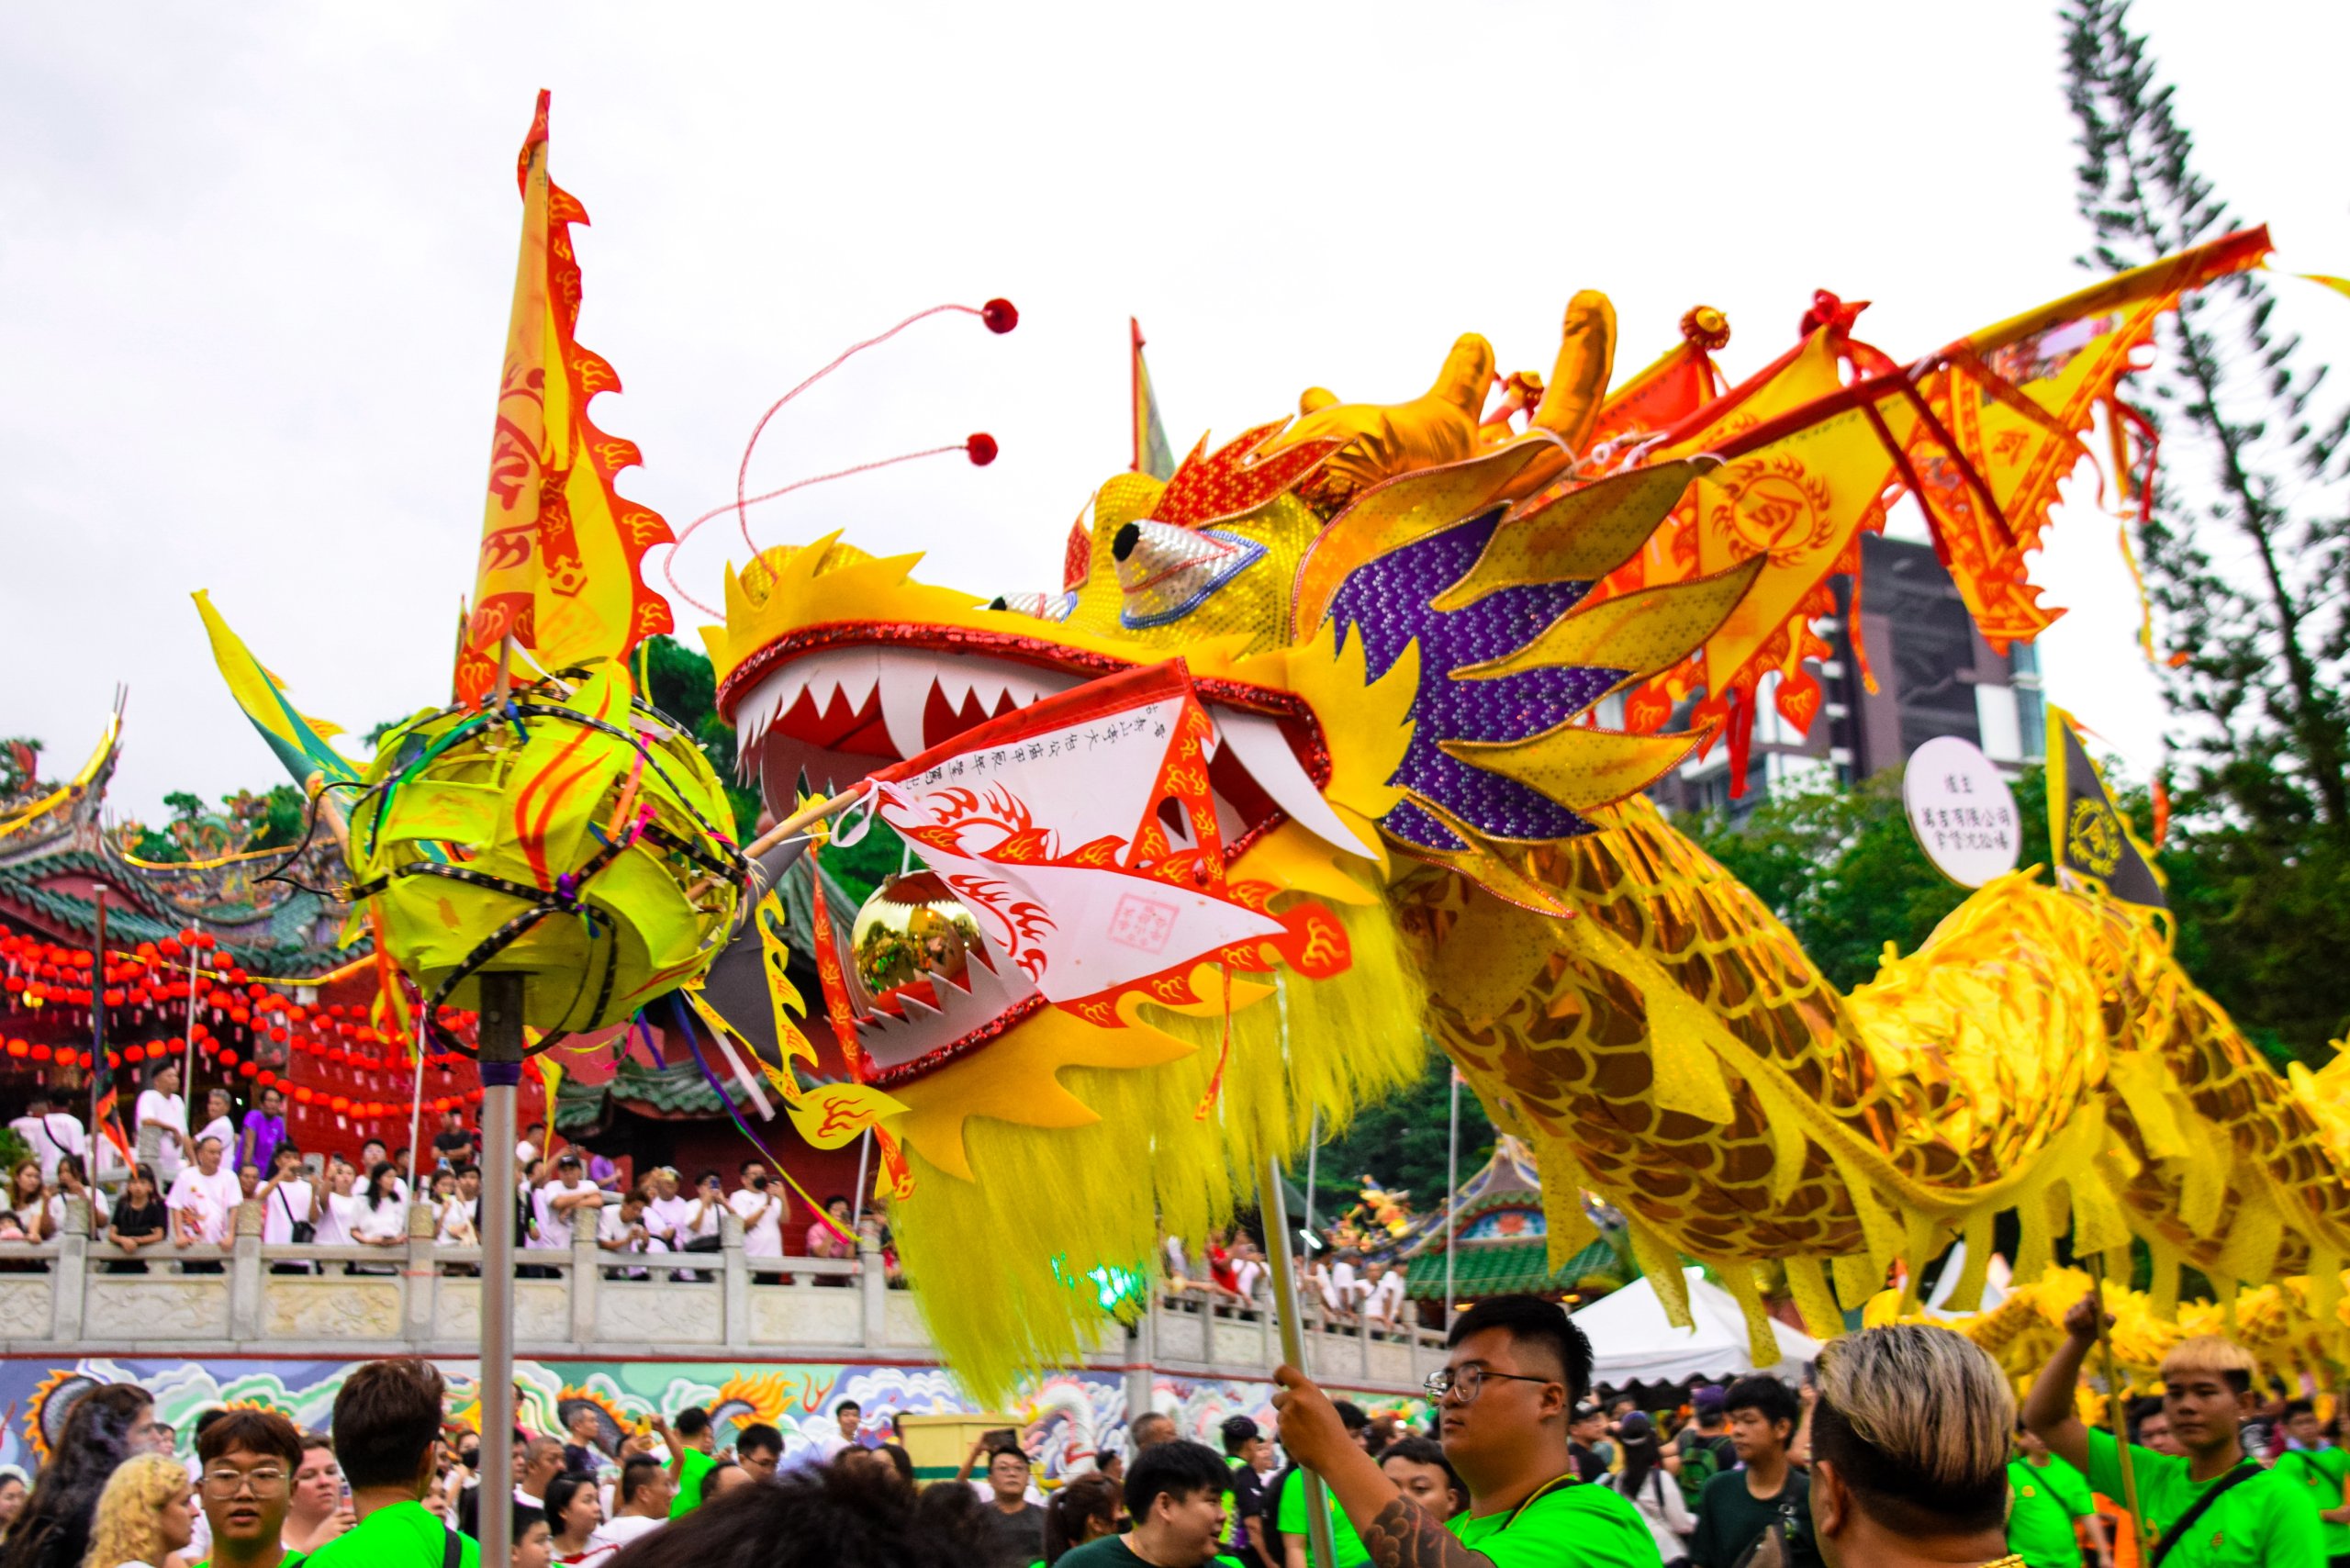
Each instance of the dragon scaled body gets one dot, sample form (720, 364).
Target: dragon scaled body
(1404, 620)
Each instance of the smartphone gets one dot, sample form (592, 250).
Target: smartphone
(1000, 1437)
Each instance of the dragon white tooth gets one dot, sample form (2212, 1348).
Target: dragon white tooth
(905, 698)
(1257, 742)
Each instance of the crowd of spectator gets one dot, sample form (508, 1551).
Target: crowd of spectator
(182, 1193)
(1233, 1272)
(1905, 1452)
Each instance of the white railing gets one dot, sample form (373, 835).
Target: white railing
(304, 1300)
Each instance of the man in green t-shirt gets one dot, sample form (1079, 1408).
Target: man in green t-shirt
(1175, 1496)
(2220, 1506)
(246, 1459)
(690, 1447)
(1515, 1368)
(1289, 1509)
(1766, 1494)
(2323, 1471)
(2047, 1497)
(387, 1420)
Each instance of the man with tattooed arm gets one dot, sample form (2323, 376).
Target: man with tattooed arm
(1515, 1370)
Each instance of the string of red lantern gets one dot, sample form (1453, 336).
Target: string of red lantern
(36, 974)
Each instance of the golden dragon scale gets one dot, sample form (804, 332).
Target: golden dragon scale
(1403, 620)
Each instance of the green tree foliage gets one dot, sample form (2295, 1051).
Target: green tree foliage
(1402, 1142)
(679, 682)
(2246, 549)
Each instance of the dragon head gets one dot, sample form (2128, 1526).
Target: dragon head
(1389, 614)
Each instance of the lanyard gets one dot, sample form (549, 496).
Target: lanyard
(1553, 1484)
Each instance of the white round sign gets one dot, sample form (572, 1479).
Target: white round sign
(1962, 811)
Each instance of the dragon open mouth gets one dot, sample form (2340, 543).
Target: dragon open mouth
(836, 711)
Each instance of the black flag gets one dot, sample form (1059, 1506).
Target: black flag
(2088, 835)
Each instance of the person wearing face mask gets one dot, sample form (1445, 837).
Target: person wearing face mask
(146, 1513)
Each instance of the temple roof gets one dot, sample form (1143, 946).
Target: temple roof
(1499, 1237)
(56, 853)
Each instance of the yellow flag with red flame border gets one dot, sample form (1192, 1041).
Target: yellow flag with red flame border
(560, 568)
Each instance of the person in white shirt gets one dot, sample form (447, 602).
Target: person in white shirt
(460, 1218)
(1385, 1299)
(220, 1110)
(760, 1207)
(50, 1133)
(664, 1214)
(381, 1219)
(553, 1204)
(370, 1155)
(203, 1199)
(74, 1182)
(645, 1493)
(160, 1120)
(1340, 1289)
(619, 1228)
(526, 1149)
(286, 1201)
(334, 1207)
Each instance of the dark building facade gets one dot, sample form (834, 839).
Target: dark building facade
(1935, 675)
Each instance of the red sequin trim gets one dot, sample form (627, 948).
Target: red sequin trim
(931, 1061)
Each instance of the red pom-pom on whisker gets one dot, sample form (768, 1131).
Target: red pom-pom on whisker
(999, 314)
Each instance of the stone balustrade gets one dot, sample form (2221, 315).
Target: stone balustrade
(304, 1300)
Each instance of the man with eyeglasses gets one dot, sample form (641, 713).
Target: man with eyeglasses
(246, 1460)
(1515, 1371)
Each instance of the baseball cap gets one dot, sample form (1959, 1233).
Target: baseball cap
(1707, 1399)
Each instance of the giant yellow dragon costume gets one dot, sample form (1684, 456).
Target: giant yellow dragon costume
(1405, 625)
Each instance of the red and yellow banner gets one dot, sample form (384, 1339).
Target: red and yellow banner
(561, 551)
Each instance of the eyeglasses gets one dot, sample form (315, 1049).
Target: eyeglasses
(265, 1481)
(1463, 1386)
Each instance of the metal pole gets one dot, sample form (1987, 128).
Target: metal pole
(1451, 1194)
(187, 1058)
(501, 1069)
(856, 1204)
(1276, 1233)
(1274, 1208)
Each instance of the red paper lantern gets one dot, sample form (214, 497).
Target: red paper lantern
(246, 1069)
(17, 1047)
(40, 1053)
(303, 1095)
(340, 1104)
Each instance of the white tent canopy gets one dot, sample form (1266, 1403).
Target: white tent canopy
(1632, 1342)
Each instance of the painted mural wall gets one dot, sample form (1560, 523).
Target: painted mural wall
(1065, 1419)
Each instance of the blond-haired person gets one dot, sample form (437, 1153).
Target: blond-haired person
(146, 1514)
(1909, 1451)
(2210, 1505)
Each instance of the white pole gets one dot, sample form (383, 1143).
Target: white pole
(1275, 1211)
(1451, 1194)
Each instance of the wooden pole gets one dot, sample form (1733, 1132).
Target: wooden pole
(2116, 1410)
(1293, 1327)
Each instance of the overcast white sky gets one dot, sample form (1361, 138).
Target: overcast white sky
(255, 265)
